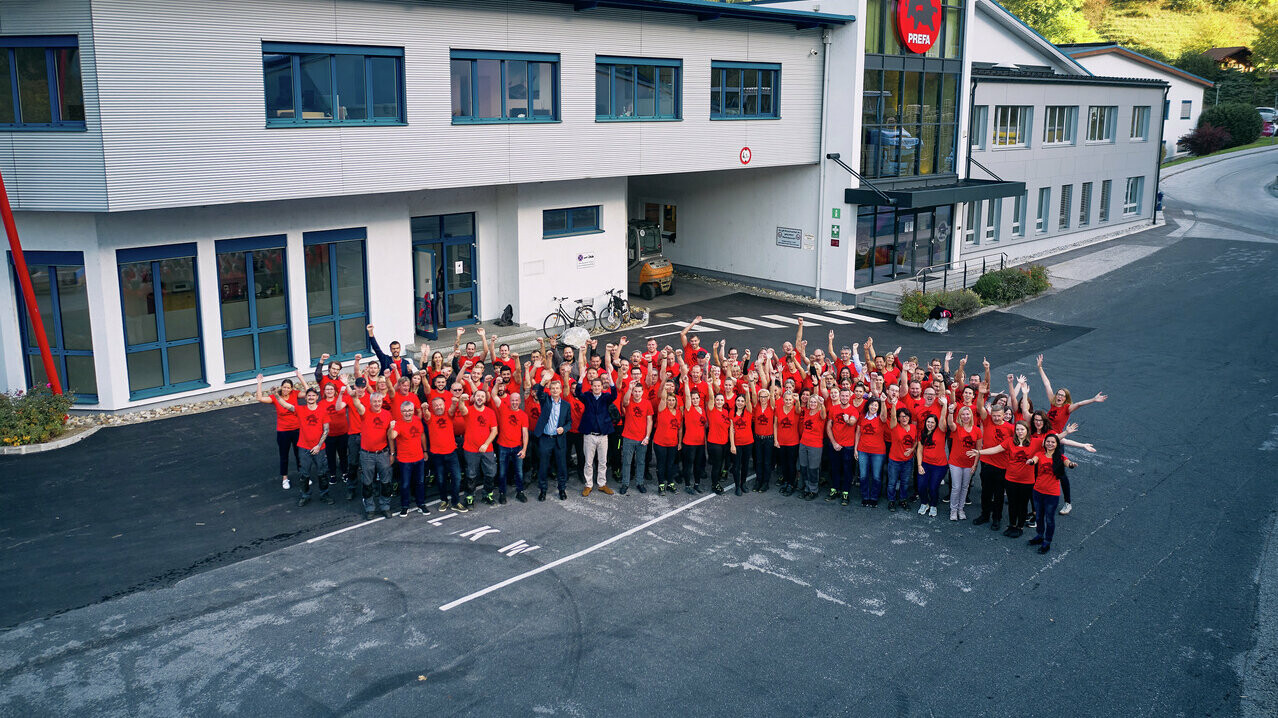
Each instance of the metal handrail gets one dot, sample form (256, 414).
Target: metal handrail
(920, 276)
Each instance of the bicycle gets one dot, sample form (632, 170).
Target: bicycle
(616, 311)
(559, 320)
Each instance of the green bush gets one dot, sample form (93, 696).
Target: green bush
(916, 305)
(32, 417)
(1240, 119)
(1008, 285)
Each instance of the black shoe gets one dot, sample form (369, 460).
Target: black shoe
(641, 488)
(762, 489)
(994, 525)
(563, 495)
(303, 501)
(1010, 532)
(1036, 541)
(661, 489)
(327, 499)
(1045, 548)
(623, 489)
(717, 488)
(403, 513)
(809, 495)
(981, 520)
(688, 489)
(501, 499)
(865, 502)
(386, 514)
(834, 494)
(736, 490)
(892, 506)
(425, 511)
(696, 488)
(521, 498)
(350, 495)
(541, 496)
(368, 515)
(488, 498)
(470, 501)
(904, 505)
(874, 503)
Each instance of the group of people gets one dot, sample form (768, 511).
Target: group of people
(479, 423)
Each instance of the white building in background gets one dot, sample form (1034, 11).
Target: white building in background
(1185, 96)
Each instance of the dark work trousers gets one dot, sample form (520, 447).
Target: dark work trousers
(992, 479)
(614, 450)
(1065, 488)
(532, 458)
(693, 462)
(762, 462)
(843, 469)
(336, 449)
(743, 464)
(716, 453)
(577, 449)
(284, 441)
(1017, 498)
(412, 483)
(553, 456)
(665, 456)
(788, 458)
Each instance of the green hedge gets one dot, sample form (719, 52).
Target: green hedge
(32, 417)
(916, 305)
(1242, 121)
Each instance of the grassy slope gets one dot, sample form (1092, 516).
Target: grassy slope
(1142, 25)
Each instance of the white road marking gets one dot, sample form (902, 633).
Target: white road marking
(788, 320)
(832, 320)
(682, 326)
(757, 322)
(348, 528)
(725, 325)
(854, 315)
(557, 562)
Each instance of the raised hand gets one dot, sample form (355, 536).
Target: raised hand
(369, 329)
(324, 357)
(831, 335)
(985, 363)
(1099, 397)
(1040, 361)
(949, 356)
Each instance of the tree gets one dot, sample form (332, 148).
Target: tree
(1264, 49)
(1060, 21)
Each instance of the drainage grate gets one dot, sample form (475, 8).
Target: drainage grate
(663, 315)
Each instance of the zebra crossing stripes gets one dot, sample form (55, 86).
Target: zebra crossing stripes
(725, 325)
(787, 320)
(756, 322)
(809, 316)
(854, 315)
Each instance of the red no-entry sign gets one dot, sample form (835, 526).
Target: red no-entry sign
(745, 155)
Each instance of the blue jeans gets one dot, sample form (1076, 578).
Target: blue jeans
(412, 482)
(843, 468)
(1045, 506)
(509, 467)
(448, 473)
(871, 471)
(930, 483)
(899, 474)
(634, 452)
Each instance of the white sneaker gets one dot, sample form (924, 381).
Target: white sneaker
(953, 517)
(962, 515)
(1066, 509)
(284, 484)
(932, 512)
(922, 509)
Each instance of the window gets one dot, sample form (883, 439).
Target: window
(336, 294)
(566, 222)
(635, 89)
(1104, 200)
(1100, 124)
(970, 223)
(1131, 200)
(1018, 214)
(1010, 126)
(881, 31)
(1140, 124)
(994, 217)
(1186, 107)
(744, 91)
(252, 278)
(40, 83)
(62, 296)
(320, 85)
(909, 120)
(980, 116)
(1044, 203)
(1085, 205)
(162, 341)
(1058, 125)
(1067, 198)
(504, 87)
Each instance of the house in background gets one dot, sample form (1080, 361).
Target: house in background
(1184, 95)
(1235, 58)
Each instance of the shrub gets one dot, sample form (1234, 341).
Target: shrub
(1204, 140)
(1008, 285)
(32, 417)
(916, 305)
(1240, 119)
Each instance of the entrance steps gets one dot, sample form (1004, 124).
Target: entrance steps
(887, 302)
(521, 338)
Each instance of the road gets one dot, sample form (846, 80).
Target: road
(1157, 599)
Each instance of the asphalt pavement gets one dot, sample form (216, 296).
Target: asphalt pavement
(1157, 599)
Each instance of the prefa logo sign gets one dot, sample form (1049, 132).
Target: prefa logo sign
(918, 22)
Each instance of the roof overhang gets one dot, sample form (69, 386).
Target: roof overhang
(1079, 52)
(964, 190)
(708, 10)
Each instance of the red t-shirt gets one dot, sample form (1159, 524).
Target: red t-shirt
(720, 422)
(511, 363)
(903, 439)
(479, 424)
(993, 435)
(575, 410)
(665, 430)
(1057, 418)
(337, 424)
(922, 411)
(843, 421)
(742, 425)
(812, 429)
(690, 354)
(694, 427)
(408, 440)
(1019, 472)
(355, 420)
(440, 434)
(873, 435)
(285, 420)
(763, 421)
(311, 423)
(962, 441)
(397, 399)
(788, 426)
(1045, 480)
(636, 415)
(702, 388)
(372, 436)
(510, 426)
(933, 453)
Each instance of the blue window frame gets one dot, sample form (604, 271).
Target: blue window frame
(570, 221)
(630, 89)
(325, 85)
(336, 292)
(62, 295)
(252, 278)
(745, 91)
(163, 346)
(504, 86)
(40, 83)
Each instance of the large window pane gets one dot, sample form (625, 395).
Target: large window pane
(238, 354)
(317, 87)
(33, 85)
(146, 370)
(273, 347)
(949, 98)
(354, 336)
(603, 90)
(66, 61)
(646, 90)
(81, 377)
(516, 89)
(73, 301)
(952, 28)
(870, 94)
(269, 279)
(927, 149)
(716, 92)
(873, 27)
(732, 92)
(177, 283)
(350, 277)
(624, 91)
(139, 303)
(40, 283)
(928, 103)
(319, 289)
(279, 85)
(6, 89)
(666, 104)
(945, 149)
(323, 339)
(750, 92)
(767, 93)
(461, 81)
(233, 290)
(891, 97)
(488, 88)
(185, 364)
(385, 71)
(458, 225)
(910, 99)
(542, 77)
(351, 96)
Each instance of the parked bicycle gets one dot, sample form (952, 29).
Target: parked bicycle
(559, 320)
(616, 311)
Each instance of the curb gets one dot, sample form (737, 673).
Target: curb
(49, 445)
(1173, 171)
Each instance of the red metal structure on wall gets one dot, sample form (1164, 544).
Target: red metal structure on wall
(28, 294)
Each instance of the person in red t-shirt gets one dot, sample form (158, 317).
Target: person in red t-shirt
(871, 447)
(285, 424)
(994, 431)
(1049, 472)
(691, 344)
(512, 445)
(965, 435)
(719, 427)
(900, 458)
(442, 441)
(931, 462)
(764, 435)
(695, 424)
(481, 460)
(374, 455)
(1062, 405)
(409, 434)
(741, 438)
(785, 437)
(811, 445)
(841, 431)
(336, 448)
(665, 439)
(312, 420)
(636, 431)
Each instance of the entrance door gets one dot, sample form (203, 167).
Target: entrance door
(425, 298)
(445, 291)
(666, 216)
(459, 284)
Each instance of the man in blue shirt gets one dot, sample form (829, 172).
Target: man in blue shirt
(596, 425)
(552, 424)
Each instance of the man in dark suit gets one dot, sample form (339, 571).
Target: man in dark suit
(552, 425)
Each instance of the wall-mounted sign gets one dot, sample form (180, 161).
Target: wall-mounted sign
(918, 22)
(834, 231)
(836, 212)
(458, 268)
(745, 155)
(789, 237)
(585, 260)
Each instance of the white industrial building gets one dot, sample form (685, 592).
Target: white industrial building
(288, 172)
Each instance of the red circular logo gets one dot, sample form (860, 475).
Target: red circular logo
(745, 155)
(918, 22)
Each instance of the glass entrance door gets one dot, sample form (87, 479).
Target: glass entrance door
(425, 298)
(893, 245)
(460, 284)
(445, 290)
